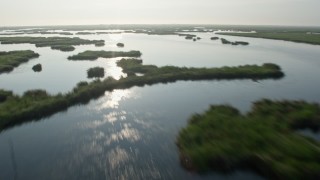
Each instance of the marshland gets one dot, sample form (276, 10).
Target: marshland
(135, 119)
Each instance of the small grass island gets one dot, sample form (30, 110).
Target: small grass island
(120, 44)
(224, 41)
(37, 68)
(95, 72)
(64, 48)
(58, 43)
(85, 33)
(11, 59)
(264, 140)
(99, 44)
(214, 38)
(94, 55)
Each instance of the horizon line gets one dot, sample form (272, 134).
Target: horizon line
(159, 24)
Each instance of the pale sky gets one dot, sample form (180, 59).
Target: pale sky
(82, 12)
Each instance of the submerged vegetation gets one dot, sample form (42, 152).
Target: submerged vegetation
(18, 109)
(95, 72)
(264, 140)
(94, 55)
(37, 68)
(11, 59)
(60, 43)
(300, 37)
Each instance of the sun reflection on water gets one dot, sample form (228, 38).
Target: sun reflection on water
(112, 99)
(126, 133)
(117, 157)
(111, 67)
(111, 117)
(116, 37)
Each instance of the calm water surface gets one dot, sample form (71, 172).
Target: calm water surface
(130, 134)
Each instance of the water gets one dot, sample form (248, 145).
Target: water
(130, 134)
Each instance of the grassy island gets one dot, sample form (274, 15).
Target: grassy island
(268, 70)
(37, 68)
(64, 48)
(10, 60)
(299, 37)
(46, 32)
(85, 33)
(96, 72)
(224, 41)
(99, 44)
(120, 44)
(60, 43)
(264, 140)
(214, 38)
(189, 37)
(36, 104)
(94, 55)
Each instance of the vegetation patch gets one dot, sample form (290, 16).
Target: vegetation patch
(299, 37)
(120, 44)
(11, 59)
(214, 38)
(64, 48)
(4, 95)
(188, 35)
(267, 70)
(61, 43)
(46, 32)
(85, 33)
(264, 140)
(38, 104)
(95, 72)
(94, 55)
(99, 44)
(37, 68)
(224, 41)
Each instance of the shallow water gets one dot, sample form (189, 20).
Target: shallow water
(130, 134)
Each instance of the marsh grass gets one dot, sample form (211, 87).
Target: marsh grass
(94, 55)
(37, 68)
(214, 38)
(64, 48)
(60, 43)
(224, 41)
(120, 44)
(38, 104)
(264, 140)
(299, 37)
(95, 72)
(11, 59)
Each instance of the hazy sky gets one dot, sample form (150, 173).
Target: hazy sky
(65, 12)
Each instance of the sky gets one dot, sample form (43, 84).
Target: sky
(82, 12)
